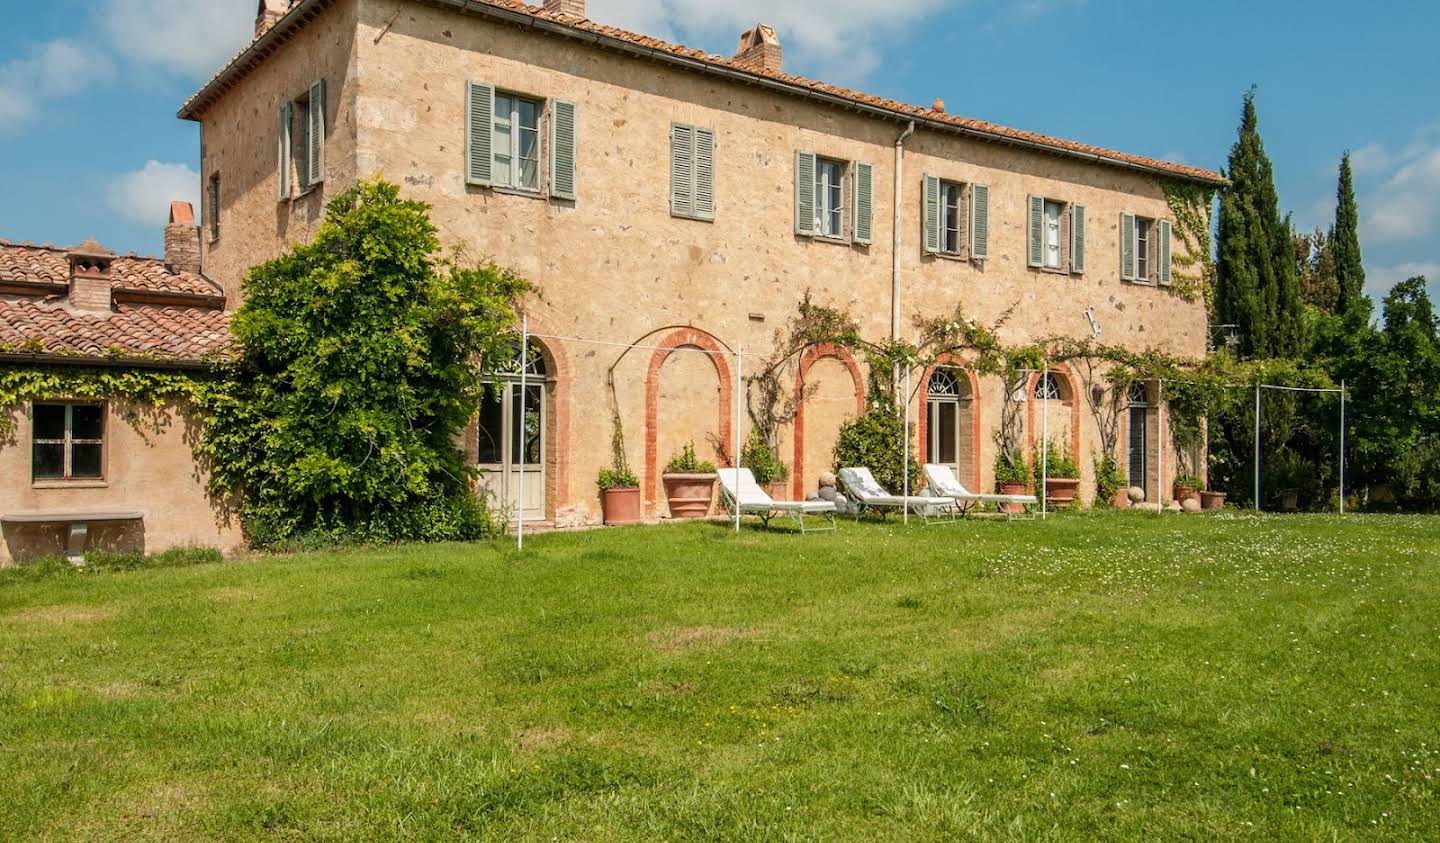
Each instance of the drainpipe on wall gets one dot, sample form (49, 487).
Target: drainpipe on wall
(895, 256)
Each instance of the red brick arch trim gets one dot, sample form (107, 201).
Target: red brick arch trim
(950, 361)
(557, 449)
(812, 355)
(1068, 384)
(719, 356)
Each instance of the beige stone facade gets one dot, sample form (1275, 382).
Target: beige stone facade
(616, 265)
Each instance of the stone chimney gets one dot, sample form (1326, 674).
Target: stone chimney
(760, 48)
(573, 8)
(270, 12)
(90, 277)
(182, 239)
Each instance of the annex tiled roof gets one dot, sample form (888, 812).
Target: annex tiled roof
(303, 10)
(46, 264)
(178, 334)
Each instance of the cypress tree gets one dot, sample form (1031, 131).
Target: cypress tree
(1345, 248)
(1256, 287)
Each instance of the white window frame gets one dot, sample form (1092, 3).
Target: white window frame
(1053, 227)
(1144, 242)
(509, 150)
(951, 217)
(828, 192)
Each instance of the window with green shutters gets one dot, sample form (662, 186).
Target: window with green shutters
(943, 208)
(822, 190)
(692, 172)
(1056, 235)
(503, 147)
(300, 149)
(805, 193)
(315, 135)
(479, 117)
(1145, 250)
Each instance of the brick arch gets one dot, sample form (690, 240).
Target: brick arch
(950, 361)
(1069, 383)
(558, 381)
(812, 355)
(718, 356)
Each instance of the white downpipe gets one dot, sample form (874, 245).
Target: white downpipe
(895, 252)
(905, 448)
(1257, 447)
(739, 398)
(1342, 447)
(1044, 441)
(520, 490)
(1160, 449)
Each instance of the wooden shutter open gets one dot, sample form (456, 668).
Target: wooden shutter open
(562, 149)
(705, 174)
(682, 170)
(1077, 239)
(1127, 247)
(282, 163)
(805, 193)
(1035, 255)
(1163, 247)
(979, 222)
(931, 210)
(864, 202)
(479, 129)
(315, 137)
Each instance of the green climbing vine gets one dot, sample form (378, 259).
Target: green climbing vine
(22, 384)
(1194, 275)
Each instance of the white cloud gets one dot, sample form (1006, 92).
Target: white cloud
(1406, 205)
(58, 68)
(839, 39)
(194, 37)
(1379, 279)
(143, 196)
(1370, 159)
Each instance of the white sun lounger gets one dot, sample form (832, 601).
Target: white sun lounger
(865, 493)
(739, 489)
(942, 481)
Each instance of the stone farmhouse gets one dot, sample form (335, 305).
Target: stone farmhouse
(667, 198)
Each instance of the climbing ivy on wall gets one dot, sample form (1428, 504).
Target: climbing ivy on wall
(1194, 273)
(22, 384)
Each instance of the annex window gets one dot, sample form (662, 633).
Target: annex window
(503, 141)
(822, 195)
(300, 153)
(68, 441)
(1144, 250)
(1056, 232)
(212, 201)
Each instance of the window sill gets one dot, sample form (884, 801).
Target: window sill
(89, 483)
(1052, 270)
(836, 241)
(691, 217)
(518, 191)
(957, 257)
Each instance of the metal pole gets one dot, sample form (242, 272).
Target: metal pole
(905, 447)
(1342, 447)
(520, 490)
(1044, 440)
(1257, 447)
(739, 398)
(1160, 448)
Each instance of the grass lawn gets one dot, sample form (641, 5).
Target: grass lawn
(1110, 675)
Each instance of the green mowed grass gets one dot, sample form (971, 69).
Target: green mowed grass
(1091, 676)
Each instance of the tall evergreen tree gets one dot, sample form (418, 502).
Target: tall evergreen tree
(1345, 248)
(1256, 287)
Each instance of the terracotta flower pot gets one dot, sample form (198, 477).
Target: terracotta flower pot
(1012, 488)
(1121, 500)
(779, 491)
(1185, 493)
(1212, 500)
(621, 506)
(1061, 491)
(689, 495)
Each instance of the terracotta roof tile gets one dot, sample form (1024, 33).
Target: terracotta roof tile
(168, 333)
(51, 265)
(238, 66)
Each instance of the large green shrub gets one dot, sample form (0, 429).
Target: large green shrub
(875, 441)
(1108, 480)
(360, 360)
(762, 461)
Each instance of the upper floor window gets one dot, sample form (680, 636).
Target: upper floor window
(301, 149)
(504, 146)
(1057, 235)
(950, 194)
(825, 190)
(956, 217)
(1142, 246)
(1144, 250)
(692, 172)
(212, 202)
(67, 441)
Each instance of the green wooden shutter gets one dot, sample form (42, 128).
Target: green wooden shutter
(1036, 252)
(562, 149)
(315, 141)
(805, 193)
(479, 129)
(864, 202)
(1077, 239)
(1164, 250)
(1127, 247)
(682, 170)
(282, 163)
(931, 209)
(705, 174)
(979, 222)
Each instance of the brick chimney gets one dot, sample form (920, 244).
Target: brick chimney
(90, 277)
(760, 48)
(182, 239)
(270, 12)
(573, 8)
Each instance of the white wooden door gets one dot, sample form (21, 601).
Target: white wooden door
(504, 438)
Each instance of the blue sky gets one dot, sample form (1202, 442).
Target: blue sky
(89, 144)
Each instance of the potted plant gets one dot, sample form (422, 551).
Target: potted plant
(769, 471)
(1062, 480)
(1011, 478)
(1188, 486)
(1110, 488)
(619, 496)
(689, 484)
(1212, 500)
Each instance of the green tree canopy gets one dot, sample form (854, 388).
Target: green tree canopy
(1345, 250)
(360, 360)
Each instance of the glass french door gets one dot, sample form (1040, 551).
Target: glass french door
(504, 437)
(943, 425)
(1139, 435)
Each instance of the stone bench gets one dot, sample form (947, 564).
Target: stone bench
(78, 523)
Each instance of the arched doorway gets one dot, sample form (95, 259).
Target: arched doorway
(1137, 438)
(511, 448)
(949, 423)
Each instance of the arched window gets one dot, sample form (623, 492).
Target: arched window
(1048, 388)
(1136, 396)
(944, 384)
(535, 368)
